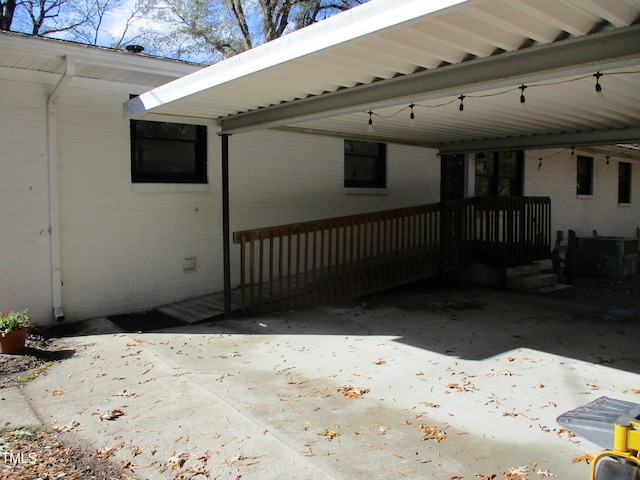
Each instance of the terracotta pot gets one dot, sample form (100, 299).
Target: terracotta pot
(14, 342)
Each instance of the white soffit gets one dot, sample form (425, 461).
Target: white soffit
(387, 54)
(22, 55)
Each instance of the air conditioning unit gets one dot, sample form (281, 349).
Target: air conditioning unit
(620, 255)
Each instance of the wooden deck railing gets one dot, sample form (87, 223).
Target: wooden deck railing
(325, 260)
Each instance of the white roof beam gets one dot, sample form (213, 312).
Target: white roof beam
(607, 137)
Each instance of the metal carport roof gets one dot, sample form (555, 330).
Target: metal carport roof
(376, 60)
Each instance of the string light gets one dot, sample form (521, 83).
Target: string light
(598, 86)
(608, 161)
(540, 163)
(522, 88)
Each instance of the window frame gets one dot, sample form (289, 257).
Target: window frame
(624, 184)
(495, 176)
(584, 176)
(380, 167)
(199, 176)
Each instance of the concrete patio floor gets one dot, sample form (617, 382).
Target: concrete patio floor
(455, 383)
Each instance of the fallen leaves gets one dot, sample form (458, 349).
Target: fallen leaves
(429, 432)
(174, 462)
(328, 434)
(44, 455)
(105, 452)
(112, 415)
(545, 473)
(519, 473)
(351, 392)
(586, 458)
(66, 428)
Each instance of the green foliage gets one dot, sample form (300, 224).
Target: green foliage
(27, 379)
(12, 321)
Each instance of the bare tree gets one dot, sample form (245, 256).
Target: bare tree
(199, 30)
(228, 27)
(7, 10)
(48, 17)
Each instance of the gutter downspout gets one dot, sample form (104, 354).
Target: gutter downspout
(52, 164)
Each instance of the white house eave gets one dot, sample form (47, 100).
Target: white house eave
(356, 23)
(90, 55)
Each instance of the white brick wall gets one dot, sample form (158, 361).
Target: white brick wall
(24, 215)
(601, 212)
(123, 245)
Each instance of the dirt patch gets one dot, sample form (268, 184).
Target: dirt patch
(27, 453)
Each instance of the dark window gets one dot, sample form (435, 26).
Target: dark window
(168, 152)
(624, 182)
(585, 176)
(365, 164)
(499, 174)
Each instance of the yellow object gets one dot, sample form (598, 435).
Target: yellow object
(626, 447)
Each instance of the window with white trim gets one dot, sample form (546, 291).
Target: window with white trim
(365, 164)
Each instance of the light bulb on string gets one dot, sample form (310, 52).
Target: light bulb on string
(608, 163)
(412, 116)
(598, 86)
(523, 105)
(461, 107)
(540, 163)
(370, 121)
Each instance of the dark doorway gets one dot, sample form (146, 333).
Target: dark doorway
(452, 177)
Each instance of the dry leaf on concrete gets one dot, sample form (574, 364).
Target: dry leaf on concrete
(429, 432)
(112, 415)
(586, 458)
(329, 434)
(351, 392)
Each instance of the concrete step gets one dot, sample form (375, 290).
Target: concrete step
(531, 281)
(522, 270)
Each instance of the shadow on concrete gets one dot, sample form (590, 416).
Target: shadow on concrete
(472, 323)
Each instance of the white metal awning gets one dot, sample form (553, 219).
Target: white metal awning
(374, 61)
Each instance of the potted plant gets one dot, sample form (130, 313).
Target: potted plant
(13, 331)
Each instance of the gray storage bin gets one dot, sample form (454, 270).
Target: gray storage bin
(595, 420)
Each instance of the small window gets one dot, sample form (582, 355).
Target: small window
(585, 176)
(624, 182)
(499, 174)
(168, 152)
(365, 164)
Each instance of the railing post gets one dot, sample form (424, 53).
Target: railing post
(226, 241)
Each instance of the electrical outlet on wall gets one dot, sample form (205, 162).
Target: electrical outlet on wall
(189, 263)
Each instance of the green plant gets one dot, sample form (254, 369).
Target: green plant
(12, 321)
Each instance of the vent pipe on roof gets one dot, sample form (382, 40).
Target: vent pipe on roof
(134, 48)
